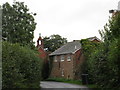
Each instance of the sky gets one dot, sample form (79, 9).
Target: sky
(72, 19)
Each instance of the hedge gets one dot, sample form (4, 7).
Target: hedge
(21, 67)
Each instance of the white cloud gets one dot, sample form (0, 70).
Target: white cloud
(73, 19)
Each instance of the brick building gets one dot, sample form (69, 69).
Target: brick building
(67, 59)
(40, 46)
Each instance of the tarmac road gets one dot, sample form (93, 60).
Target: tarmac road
(59, 85)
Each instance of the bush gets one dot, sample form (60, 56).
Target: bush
(103, 63)
(114, 63)
(98, 65)
(45, 70)
(21, 67)
(104, 68)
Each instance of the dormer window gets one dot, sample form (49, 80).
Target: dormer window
(62, 58)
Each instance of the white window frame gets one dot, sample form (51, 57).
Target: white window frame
(55, 59)
(68, 58)
(62, 58)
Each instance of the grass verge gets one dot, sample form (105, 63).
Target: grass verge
(78, 82)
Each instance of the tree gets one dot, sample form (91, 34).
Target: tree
(17, 24)
(104, 62)
(111, 29)
(54, 42)
(88, 48)
(21, 67)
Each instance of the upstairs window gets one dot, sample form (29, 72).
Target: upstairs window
(69, 58)
(62, 58)
(55, 58)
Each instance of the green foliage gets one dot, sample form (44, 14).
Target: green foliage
(98, 66)
(65, 80)
(17, 24)
(45, 70)
(78, 82)
(114, 63)
(103, 63)
(87, 48)
(114, 26)
(21, 67)
(112, 29)
(54, 42)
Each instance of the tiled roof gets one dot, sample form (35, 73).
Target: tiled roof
(70, 47)
(93, 38)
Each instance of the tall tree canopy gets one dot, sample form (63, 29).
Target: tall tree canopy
(103, 62)
(54, 42)
(18, 24)
(112, 29)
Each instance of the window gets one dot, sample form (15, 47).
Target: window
(69, 58)
(62, 72)
(55, 58)
(62, 58)
(39, 42)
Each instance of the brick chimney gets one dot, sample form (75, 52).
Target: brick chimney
(40, 41)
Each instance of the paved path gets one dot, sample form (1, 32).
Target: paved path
(60, 85)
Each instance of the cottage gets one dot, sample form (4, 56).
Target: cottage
(67, 58)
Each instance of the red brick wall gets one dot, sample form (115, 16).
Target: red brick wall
(65, 66)
(78, 60)
(40, 47)
(70, 69)
(95, 40)
(42, 54)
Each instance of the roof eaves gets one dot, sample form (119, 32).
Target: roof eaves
(60, 54)
(75, 51)
(93, 38)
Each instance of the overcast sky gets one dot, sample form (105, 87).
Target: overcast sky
(72, 19)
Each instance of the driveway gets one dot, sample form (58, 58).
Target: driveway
(59, 85)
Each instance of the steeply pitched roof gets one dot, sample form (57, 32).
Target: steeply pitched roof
(70, 47)
(93, 38)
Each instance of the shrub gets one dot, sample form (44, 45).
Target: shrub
(114, 63)
(98, 66)
(103, 63)
(104, 68)
(45, 70)
(21, 67)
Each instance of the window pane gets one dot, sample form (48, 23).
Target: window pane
(62, 58)
(68, 58)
